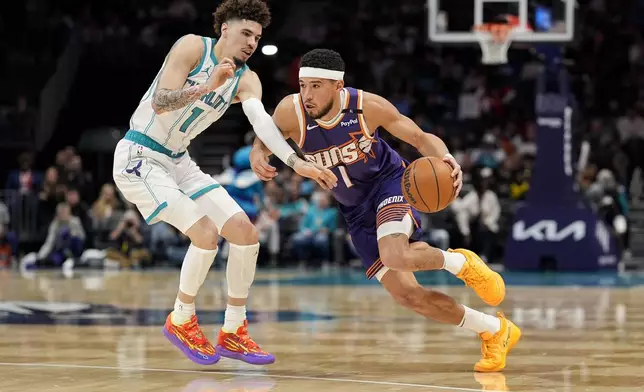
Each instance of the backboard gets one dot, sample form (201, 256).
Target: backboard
(452, 21)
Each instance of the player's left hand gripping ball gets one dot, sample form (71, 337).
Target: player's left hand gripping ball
(457, 173)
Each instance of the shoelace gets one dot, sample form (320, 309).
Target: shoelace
(472, 278)
(195, 335)
(248, 342)
(490, 350)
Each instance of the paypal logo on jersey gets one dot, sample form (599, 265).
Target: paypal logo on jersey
(353, 121)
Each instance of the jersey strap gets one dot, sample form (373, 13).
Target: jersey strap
(146, 141)
(361, 119)
(354, 104)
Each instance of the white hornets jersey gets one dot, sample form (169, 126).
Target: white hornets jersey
(174, 130)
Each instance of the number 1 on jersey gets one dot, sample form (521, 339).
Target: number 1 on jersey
(345, 176)
(196, 112)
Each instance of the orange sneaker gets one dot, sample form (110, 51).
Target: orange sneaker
(240, 346)
(191, 341)
(495, 348)
(487, 284)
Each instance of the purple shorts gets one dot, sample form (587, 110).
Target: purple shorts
(385, 204)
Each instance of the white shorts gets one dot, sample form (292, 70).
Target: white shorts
(167, 189)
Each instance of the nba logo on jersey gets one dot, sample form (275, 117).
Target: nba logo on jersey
(139, 150)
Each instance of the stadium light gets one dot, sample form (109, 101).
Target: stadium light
(269, 50)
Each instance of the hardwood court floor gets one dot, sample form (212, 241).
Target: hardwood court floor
(331, 332)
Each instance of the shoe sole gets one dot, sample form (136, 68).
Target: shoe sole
(188, 353)
(250, 359)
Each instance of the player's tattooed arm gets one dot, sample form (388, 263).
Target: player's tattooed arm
(170, 93)
(166, 100)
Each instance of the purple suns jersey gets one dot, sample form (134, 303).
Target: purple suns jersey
(359, 159)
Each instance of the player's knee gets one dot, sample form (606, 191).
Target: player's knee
(239, 230)
(204, 234)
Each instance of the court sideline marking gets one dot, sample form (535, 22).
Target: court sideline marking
(143, 369)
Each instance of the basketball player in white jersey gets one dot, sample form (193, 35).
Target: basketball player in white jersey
(200, 78)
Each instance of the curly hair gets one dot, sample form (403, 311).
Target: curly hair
(323, 58)
(255, 10)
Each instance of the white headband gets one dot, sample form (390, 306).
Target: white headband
(308, 72)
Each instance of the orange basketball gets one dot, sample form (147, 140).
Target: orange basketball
(427, 184)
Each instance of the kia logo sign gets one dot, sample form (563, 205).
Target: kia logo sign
(548, 230)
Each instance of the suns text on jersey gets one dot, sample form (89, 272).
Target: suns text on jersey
(347, 154)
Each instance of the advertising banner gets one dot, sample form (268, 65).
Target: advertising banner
(554, 226)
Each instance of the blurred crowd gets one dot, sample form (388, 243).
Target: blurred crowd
(485, 115)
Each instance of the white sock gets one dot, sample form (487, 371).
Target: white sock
(234, 318)
(480, 322)
(182, 312)
(453, 262)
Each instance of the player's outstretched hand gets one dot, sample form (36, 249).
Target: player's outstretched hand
(322, 176)
(224, 70)
(260, 166)
(457, 173)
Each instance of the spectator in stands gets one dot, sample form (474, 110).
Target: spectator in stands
(65, 238)
(434, 231)
(5, 218)
(489, 155)
(479, 208)
(50, 186)
(312, 239)
(76, 177)
(80, 209)
(105, 214)
(128, 245)
(267, 223)
(6, 249)
(630, 126)
(51, 194)
(608, 198)
(8, 242)
(520, 179)
(167, 243)
(8, 235)
(242, 184)
(22, 191)
(292, 207)
(24, 180)
(298, 184)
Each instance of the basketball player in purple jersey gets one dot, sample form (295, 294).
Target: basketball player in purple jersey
(336, 127)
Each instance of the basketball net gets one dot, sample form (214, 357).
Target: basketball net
(495, 39)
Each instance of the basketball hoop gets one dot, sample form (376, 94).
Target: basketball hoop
(495, 39)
